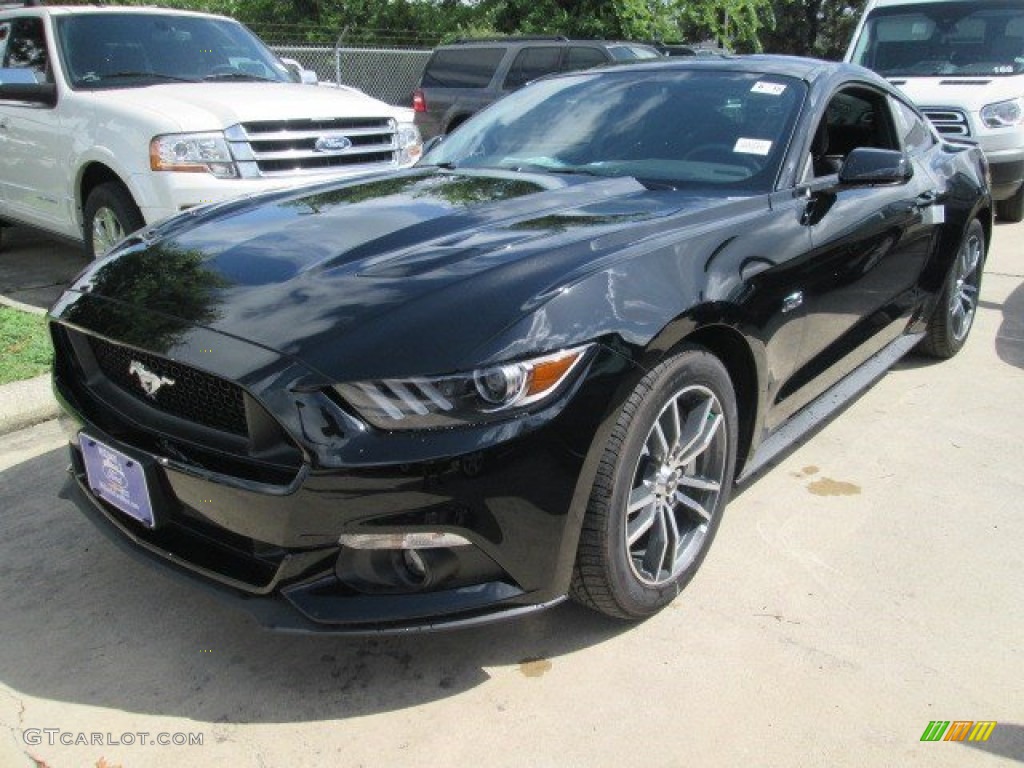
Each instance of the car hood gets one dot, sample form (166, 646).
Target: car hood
(971, 93)
(214, 105)
(413, 270)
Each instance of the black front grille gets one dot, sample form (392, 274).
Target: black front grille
(327, 161)
(194, 395)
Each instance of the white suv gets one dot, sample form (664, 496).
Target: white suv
(962, 62)
(114, 118)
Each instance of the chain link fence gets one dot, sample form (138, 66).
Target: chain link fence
(388, 74)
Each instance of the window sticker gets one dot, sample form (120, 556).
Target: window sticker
(753, 147)
(772, 89)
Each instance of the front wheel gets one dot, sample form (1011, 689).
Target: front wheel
(661, 486)
(110, 215)
(953, 318)
(1012, 208)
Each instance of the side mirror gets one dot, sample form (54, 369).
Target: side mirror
(300, 75)
(44, 94)
(867, 166)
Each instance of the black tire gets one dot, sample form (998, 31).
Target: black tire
(1012, 208)
(455, 123)
(110, 213)
(613, 576)
(947, 329)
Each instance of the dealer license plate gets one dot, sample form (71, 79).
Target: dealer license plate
(116, 478)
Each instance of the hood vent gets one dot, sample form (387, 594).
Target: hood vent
(964, 82)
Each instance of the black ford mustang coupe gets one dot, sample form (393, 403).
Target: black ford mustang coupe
(534, 365)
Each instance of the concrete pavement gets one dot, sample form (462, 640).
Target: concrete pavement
(867, 585)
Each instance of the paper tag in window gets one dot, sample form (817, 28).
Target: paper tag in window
(752, 147)
(772, 89)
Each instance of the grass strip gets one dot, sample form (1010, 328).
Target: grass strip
(25, 349)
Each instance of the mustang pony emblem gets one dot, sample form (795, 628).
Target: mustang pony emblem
(151, 382)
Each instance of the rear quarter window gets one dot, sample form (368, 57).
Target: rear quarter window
(462, 68)
(584, 58)
(531, 63)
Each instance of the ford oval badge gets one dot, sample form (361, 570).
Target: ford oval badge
(332, 144)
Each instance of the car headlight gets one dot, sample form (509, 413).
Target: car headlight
(193, 153)
(1003, 114)
(410, 144)
(484, 395)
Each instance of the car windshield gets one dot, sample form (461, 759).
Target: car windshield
(132, 49)
(941, 39)
(717, 129)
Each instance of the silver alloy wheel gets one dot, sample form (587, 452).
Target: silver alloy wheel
(676, 486)
(106, 231)
(963, 300)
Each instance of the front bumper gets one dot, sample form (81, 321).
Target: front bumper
(1007, 173)
(273, 549)
(277, 612)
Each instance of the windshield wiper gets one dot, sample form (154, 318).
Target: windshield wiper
(575, 170)
(92, 77)
(239, 76)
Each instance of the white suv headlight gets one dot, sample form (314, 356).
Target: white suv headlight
(410, 144)
(1003, 114)
(193, 153)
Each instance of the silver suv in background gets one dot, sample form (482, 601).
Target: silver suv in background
(962, 62)
(464, 77)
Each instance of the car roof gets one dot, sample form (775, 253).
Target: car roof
(81, 10)
(809, 70)
(889, 3)
(490, 42)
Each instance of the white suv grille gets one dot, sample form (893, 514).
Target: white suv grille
(301, 147)
(948, 122)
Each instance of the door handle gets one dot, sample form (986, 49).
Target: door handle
(931, 197)
(3, 124)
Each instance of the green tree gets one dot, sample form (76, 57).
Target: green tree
(819, 28)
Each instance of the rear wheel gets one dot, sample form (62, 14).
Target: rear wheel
(954, 316)
(455, 123)
(1012, 208)
(110, 215)
(661, 486)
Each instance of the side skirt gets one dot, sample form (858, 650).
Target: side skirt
(819, 411)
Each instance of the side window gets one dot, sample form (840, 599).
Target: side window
(854, 118)
(462, 67)
(26, 50)
(912, 128)
(531, 63)
(584, 58)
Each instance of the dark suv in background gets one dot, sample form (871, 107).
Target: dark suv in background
(467, 75)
